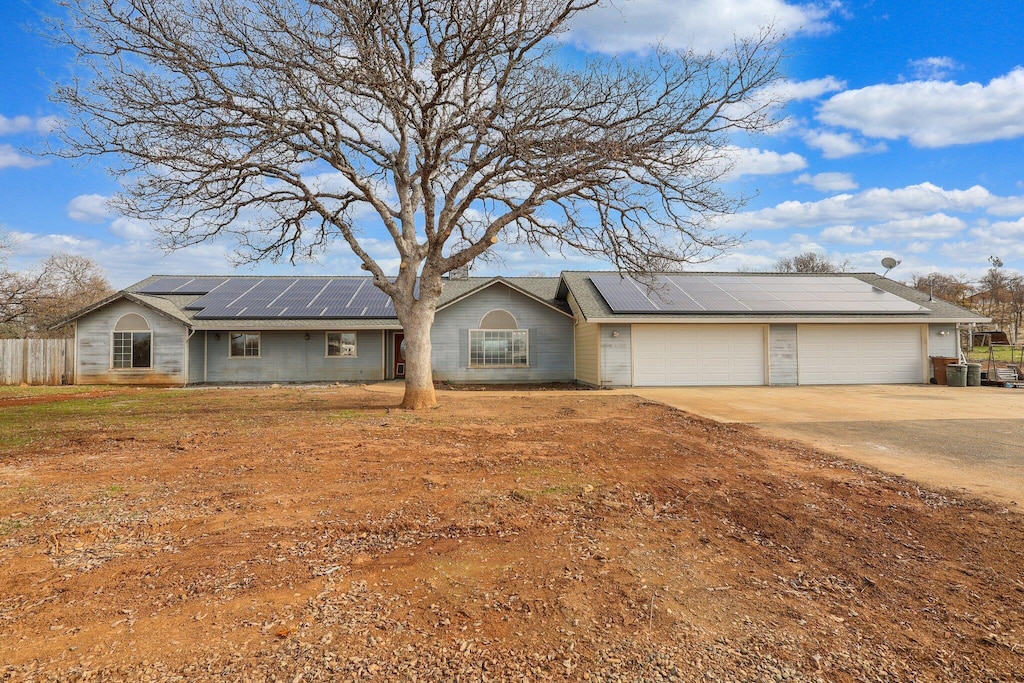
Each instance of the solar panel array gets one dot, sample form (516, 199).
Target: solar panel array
(182, 285)
(253, 297)
(678, 293)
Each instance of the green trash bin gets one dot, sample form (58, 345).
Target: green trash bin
(974, 374)
(956, 375)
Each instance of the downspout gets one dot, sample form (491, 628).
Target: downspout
(188, 337)
(206, 352)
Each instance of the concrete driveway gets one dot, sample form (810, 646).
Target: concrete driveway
(968, 439)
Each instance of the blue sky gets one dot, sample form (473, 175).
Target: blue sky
(903, 136)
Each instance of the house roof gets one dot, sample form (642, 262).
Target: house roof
(550, 291)
(594, 307)
(177, 306)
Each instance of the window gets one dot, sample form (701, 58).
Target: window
(499, 342)
(499, 348)
(341, 344)
(132, 343)
(244, 345)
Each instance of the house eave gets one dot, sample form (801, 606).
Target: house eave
(764, 320)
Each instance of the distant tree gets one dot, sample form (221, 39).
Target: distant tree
(955, 289)
(1015, 306)
(809, 262)
(451, 124)
(993, 288)
(68, 282)
(31, 302)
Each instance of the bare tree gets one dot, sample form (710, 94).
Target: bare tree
(452, 124)
(1015, 306)
(956, 289)
(32, 301)
(992, 295)
(810, 262)
(67, 283)
(16, 290)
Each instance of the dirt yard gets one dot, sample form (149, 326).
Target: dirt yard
(304, 534)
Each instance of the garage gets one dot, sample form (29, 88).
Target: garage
(698, 355)
(860, 354)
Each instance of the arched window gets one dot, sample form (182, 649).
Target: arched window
(499, 319)
(132, 343)
(499, 343)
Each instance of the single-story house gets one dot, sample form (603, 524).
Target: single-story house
(597, 328)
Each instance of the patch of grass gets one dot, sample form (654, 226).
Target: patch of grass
(112, 490)
(1004, 354)
(33, 391)
(9, 526)
(346, 414)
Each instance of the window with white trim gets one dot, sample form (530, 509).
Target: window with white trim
(244, 345)
(499, 343)
(341, 344)
(132, 344)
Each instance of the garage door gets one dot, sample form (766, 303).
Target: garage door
(859, 354)
(695, 355)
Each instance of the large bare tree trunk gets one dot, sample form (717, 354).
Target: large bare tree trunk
(446, 127)
(419, 381)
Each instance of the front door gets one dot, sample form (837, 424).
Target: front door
(399, 356)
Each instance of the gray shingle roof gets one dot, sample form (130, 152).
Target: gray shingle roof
(544, 289)
(550, 290)
(593, 306)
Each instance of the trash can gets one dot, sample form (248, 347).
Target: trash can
(939, 364)
(956, 375)
(974, 374)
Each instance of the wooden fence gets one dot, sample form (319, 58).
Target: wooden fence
(37, 361)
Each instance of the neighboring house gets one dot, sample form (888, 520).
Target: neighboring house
(595, 328)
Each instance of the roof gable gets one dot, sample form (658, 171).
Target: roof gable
(153, 303)
(511, 284)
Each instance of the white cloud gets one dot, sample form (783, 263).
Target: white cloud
(27, 124)
(18, 124)
(845, 234)
(828, 182)
(933, 113)
(838, 145)
(89, 208)
(636, 25)
(790, 91)
(933, 68)
(1002, 230)
(12, 158)
(132, 230)
(935, 226)
(878, 204)
(754, 161)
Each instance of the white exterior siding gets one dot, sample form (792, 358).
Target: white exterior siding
(551, 349)
(943, 341)
(782, 356)
(698, 355)
(95, 339)
(587, 344)
(616, 365)
(860, 354)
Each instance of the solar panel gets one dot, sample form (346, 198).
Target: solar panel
(294, 298)
(682, 293)
(165, 285)
(183, 285)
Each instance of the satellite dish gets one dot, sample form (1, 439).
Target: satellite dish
(889, 263)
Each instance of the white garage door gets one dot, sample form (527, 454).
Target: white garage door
(859, 354)
(695, 355)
